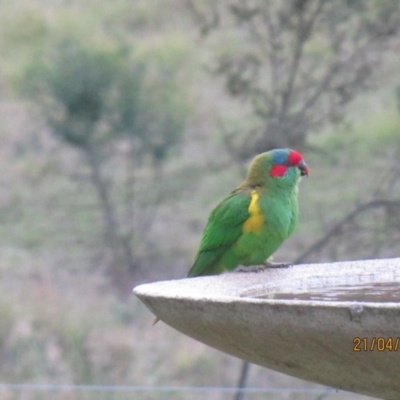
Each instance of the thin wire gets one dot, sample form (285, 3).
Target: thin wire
(112, 388)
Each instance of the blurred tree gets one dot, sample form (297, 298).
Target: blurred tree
(96, 100)
(297, 63)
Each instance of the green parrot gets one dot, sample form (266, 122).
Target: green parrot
(248, 226)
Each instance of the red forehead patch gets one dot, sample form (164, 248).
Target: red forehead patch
(294, 157)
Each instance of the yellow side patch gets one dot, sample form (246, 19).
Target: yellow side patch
(255, 221)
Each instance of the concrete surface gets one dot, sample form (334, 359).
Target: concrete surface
(312, 340)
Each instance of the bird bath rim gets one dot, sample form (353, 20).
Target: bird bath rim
(308, 339)
(296, 273)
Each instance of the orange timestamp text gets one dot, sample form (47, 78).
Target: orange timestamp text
(376, 344)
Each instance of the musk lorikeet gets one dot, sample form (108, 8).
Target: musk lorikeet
(248, 226)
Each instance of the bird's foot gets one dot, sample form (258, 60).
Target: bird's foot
(262, 267)
(250, 268)
(270, 264)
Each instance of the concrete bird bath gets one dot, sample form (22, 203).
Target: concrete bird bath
(335, 324)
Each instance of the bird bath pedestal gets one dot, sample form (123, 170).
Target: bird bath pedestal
(273, 319)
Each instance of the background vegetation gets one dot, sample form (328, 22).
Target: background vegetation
(121, 126)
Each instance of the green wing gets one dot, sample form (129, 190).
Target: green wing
(223, 229)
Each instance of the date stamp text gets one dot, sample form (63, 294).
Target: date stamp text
(376, 344)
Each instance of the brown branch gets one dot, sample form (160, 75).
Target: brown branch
(336, 67)
(304, 31)
(272, 53)
(338, 228)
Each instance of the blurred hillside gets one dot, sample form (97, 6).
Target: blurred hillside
(119, 132)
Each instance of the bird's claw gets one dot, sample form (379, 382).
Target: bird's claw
(262, 267)
(277, 265)
(250, 268)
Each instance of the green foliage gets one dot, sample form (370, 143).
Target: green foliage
(91, 96)
(95, 100)
(27, 28)
(149, 116)
(79, 81)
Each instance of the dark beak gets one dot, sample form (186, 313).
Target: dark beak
(304, 170)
